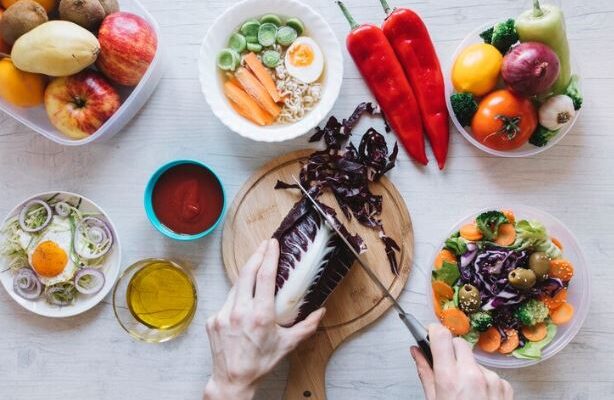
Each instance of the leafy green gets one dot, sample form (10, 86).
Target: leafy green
(455, 297)
(456, 245)
(472, 337)
(532, 234)
(464, 107)
(448, 273)
(502, 35)
(532, 312)
(488, 223)
(573, 91)
(481, 321)
(541, 136)
(533, 350)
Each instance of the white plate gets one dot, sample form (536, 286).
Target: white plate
(83, 302)
(217, 38)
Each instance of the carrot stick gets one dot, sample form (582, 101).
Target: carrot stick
(444, 255)
(506, 235)
(562, 314)
(255, 89)
(471, 232)
(490, 340)
(536, 332)
(456, 321)
(509, 344)
(263, 75)
(245, 105)
(562, 269)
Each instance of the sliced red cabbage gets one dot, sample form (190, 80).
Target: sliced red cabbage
(313, 260)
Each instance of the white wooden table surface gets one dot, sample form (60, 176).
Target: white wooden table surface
(90, 357)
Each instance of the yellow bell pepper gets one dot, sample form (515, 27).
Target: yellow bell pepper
(476, 69)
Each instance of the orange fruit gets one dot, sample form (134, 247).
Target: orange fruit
(48, 5)
(20, 88)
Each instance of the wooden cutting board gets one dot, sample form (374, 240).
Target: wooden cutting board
(253, 217)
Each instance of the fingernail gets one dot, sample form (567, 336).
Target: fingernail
(412, 351)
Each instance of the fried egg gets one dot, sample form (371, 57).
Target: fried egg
(49, 257)
(304, 60)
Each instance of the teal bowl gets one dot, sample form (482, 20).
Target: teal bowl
(153, 218)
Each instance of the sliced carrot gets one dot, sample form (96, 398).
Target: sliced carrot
(562, 269)
(247, 106)
(536, 332)
(263, 75)
(442, 290)
(562, 314)
(489, 340)
(254, 88)
(509, 214)
(444, 255)
(506, 235)
(456, 321)
(557, 242)
(556, 301)
(511, 342)
(437, 305)
(471, 232)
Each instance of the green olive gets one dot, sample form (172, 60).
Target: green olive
(469, 298)
(539, 262)
(522, 278)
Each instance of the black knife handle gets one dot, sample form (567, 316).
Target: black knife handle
(425, 348)
(420, 334)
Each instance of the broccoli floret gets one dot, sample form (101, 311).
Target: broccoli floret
(542, 136)
(503, 35)
(481, 320)
(532, 312)
(573, 91)
(488, 223)
(456, 244)
(464, 106)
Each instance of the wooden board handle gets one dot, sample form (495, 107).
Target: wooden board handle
(306, 378)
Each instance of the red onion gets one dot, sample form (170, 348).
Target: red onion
(26, 284)
(530, 68)
(23, 216)
(97, 233)
(93, 282)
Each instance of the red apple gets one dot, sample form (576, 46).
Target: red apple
(78, 105)
(128, 45)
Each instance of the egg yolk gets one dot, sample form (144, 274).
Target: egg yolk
(301, 55)
(49, 259)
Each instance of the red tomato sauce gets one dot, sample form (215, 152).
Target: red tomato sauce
(188, 199)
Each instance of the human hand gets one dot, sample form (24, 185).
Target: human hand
(246, 342)
(455, 373)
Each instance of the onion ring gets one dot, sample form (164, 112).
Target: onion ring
(95, 284)
(27, 285)
(24, 213)
(61, 294)
(98, 232)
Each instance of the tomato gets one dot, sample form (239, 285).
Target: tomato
(504, 121)
(476, 69)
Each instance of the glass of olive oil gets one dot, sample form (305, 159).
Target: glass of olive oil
(154, 300)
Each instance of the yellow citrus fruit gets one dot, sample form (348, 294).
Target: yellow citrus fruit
(20, 88)
(48, 5)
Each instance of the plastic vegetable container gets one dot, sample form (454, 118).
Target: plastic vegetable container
(527, 149)
(133, 99)
(578, 294)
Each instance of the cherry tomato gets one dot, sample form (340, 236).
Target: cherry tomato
(504, 121)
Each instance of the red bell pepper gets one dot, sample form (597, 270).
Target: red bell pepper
(413, 46)
(380, 68)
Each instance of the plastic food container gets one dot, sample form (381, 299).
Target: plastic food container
(211, 79)
(579, 291)
(133, 99)
(528, 149)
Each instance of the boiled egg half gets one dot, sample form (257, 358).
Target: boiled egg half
(304, 60)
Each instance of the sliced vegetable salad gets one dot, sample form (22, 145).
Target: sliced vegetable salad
(502, 284)
(517, 86)
(56, 251)
(272, 70)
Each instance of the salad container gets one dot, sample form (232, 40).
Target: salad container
(527, 150)
(133, 99)
(579, 291)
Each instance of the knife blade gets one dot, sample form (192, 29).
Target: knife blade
(414, 326)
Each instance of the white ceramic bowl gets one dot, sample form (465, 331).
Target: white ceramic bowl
(83, 302)
(217, 38)
(578, 292)
(133, 99)
(526, 150)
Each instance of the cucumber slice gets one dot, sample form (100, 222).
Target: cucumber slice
(286, 35)
(252, 39)
(296, 24)
(270, 58)
(237, 42)
(266, 34)
(271, 18)
(255, 47)
(228, 60)
(250, 27)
